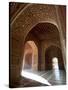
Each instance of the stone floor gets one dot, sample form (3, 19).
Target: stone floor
(54, 77)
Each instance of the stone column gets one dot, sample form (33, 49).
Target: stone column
(62, 40)
(41, 58)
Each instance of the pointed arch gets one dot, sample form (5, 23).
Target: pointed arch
(30, 59)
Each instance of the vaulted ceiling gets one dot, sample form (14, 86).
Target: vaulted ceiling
(16, 7)
(45, 31)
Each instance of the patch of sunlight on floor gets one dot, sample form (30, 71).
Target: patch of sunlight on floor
(35, 77)
(57, 74)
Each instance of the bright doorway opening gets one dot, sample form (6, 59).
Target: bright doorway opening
(55, 63)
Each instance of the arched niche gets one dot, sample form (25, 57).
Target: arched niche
(51, 53)
(30, 58)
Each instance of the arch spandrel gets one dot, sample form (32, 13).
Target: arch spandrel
(30, 17)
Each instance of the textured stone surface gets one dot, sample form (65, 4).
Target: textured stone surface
(39, 23)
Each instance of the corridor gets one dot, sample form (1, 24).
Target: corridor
(37, 45)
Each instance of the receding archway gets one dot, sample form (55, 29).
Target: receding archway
(44, 34)
(53, 56)
(30, 59)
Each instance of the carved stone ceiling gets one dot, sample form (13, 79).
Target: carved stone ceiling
(45, 31)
